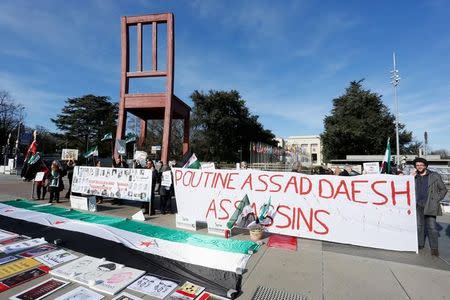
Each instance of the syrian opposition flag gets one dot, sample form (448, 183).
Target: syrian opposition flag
(386, 164)
(91, 152)
(192, 163)
(215, 263)
(107, 137)
(130, 137)
(243, 216)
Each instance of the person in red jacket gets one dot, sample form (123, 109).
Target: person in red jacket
(41, 185)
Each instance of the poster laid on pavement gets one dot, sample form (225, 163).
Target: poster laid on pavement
(210, 296)
(69, 154)
(112, 282)
(8, 259)
(376, 210)
(36, 251)
(126, 296)
(122, 183)
(154, 286)
(56, 258)
(17, 266)
(23, 277)
(75, 268)
(41, 290)
(81, 293)
(187, 291)
(13, 240)
(22, 245)
(6, 235)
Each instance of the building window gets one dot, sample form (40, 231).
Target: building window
(314, 148)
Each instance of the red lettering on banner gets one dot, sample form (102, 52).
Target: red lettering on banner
(224, 209)
(207, 177)
(223, 180)
(378, 193)
(406, 192)
(324, 226)
(198, 181)
(248, 181)
(178, 175)
(288, 224)
(302, 191)
(230, 180)
(356, 191)
(185, 176)
(309, 223)
(292, 181)
(275, 183)
(321, 181)
(263, 182)
(342, 185)
(212, 207)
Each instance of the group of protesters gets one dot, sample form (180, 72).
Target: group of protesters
(52, 182)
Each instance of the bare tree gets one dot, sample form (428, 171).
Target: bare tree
(11, 114)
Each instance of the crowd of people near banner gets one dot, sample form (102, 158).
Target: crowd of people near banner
(430, 189)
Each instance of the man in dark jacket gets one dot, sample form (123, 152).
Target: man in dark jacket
(430, 190)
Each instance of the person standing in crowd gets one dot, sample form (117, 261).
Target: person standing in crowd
(145, 205)
(41, 185)
(166, 190)
(430, 190)
(55, 182)
(119, 162)
(69, 167)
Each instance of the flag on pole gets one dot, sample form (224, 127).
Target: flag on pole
(121, 147)
(91, 152)
(107, 137)
(386, 164)
(192, 163)
(242, 212)
(130, 137)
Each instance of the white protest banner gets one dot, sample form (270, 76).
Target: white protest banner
(208, 166)
(371, 168)
(185, 222)
(69, 154)
(39, 176)
(122, 183)
(166, 179)
(369, 210)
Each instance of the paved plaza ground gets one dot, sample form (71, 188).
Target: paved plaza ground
(318, 270)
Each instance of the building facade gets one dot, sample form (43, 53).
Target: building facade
(306, 149)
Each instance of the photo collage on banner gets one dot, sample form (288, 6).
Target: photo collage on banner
(122, 183)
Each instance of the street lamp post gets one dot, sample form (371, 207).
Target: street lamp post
(395, 81)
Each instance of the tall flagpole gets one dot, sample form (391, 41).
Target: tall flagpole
(395, 81)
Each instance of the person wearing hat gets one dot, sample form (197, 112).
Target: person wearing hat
(430, 190)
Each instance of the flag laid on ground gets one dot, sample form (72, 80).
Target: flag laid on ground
(213, 262)
(130, 137)
(386, 164)
(192, 163)
(91, 152)
(107, 137)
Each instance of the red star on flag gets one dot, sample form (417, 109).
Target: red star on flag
(59, 222)
(147, 243)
